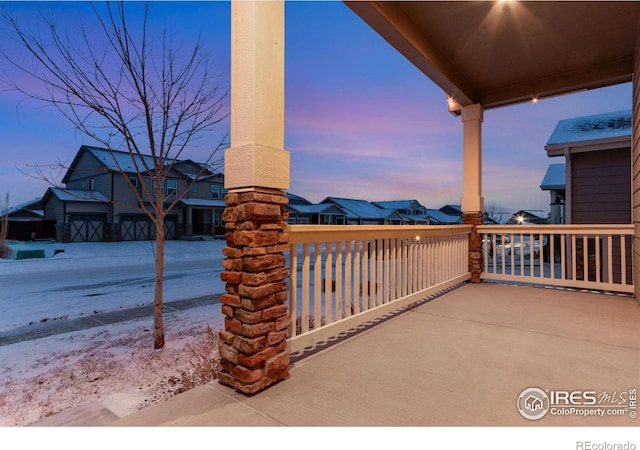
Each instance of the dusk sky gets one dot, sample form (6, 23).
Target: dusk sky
(360, 120)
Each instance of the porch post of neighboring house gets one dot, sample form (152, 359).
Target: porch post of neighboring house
(635, 170)
(188, 229)
(472, 201)
(253, 344)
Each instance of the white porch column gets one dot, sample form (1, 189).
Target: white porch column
(257, 157)
(472, 200)
(472, 203)
(253, 347)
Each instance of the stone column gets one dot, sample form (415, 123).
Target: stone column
(472, 201)
(253, 344)
(475, 245)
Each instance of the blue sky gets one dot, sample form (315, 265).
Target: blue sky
(360, 120)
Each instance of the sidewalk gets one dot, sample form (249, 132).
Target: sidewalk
(462, 359)
(53, 327)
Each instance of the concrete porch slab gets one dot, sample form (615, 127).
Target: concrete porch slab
(462, 359)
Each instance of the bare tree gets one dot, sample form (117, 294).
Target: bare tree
(495, 212)
(129, 90)
(4, 226)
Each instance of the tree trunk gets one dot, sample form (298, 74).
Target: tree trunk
(158, 327)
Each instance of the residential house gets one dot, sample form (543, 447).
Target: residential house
(302, 211)
(597, 153)
(523, 216)
(554, 182)
(25, 222)
(413, 213)
(98, 203)
(362, 212)
(452, 210)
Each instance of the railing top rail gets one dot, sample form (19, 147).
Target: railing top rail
(612, 228)
(300, 234)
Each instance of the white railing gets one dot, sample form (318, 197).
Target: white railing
(580, 256)
(346, 275)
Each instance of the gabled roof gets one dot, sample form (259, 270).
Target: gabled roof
(555, 178)
(203, 202)
(398, 204)
(439, 216)
(296, 199)
(318, 208)
(362, 209)
(452, 210)
(33, 206)
(113, 160)
(588, 128)
(75, 195)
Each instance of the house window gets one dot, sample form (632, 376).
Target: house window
(154, 188)
(194, 188)
(215, 191)
(172, 188)
(133, 181)
(92, 184)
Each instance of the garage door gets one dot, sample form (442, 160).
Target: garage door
(141, 228)
(87, 227)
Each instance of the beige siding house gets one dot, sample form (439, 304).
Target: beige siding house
(98, 202)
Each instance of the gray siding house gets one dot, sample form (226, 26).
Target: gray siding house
(597, 156)
(98, 202)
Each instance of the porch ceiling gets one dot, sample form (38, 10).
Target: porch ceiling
(499, 53)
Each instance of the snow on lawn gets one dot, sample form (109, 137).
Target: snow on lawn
(115, 364)
(97, 277)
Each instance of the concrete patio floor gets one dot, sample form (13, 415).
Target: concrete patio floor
(461, 359)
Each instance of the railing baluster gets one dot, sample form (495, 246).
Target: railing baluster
(623, 261)
(379, 276)
(355, 306)
(317, 285)
(596, 242)
(339, 287)
(306, 282)
(348, 280)
(293, 289)
(329, 283)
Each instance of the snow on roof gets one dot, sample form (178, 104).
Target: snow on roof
(440, 217)
(117, 160)
(397, 204)
(78, 195)
(587, 128)
(554, 178)
(296, 199)
(33, 205)
(317, 208)
(360, 208)
(203, 202)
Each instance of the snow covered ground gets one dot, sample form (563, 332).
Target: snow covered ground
(116, 364)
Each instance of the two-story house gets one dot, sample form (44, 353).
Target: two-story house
(98, 202)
